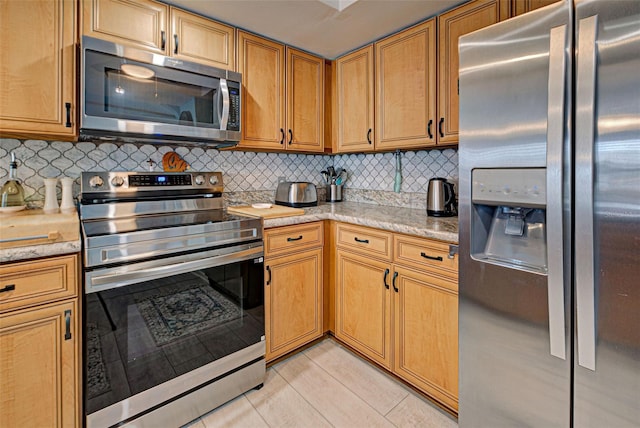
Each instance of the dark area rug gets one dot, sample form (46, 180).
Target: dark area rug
(190, 309)
(97, 381)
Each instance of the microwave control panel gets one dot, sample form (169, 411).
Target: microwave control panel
(234, 107)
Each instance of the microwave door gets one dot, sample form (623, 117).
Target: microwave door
(135, 98)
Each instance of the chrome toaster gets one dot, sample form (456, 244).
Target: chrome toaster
(297, 194)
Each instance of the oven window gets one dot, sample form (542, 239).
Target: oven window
(142, 335)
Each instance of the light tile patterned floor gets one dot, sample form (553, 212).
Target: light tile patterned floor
(327, 386)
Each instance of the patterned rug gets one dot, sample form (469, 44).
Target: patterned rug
(193, 308)
(97, 381)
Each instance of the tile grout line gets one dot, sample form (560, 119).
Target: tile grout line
(408, 393)
(347, 388)
(300, 394)
(254, 407)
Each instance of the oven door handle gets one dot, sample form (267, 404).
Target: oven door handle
(119, 279)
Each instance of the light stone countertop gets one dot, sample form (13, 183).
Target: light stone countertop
(403, 220)
(36, 251)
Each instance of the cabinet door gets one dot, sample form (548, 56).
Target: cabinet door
(363, 312)
(426, 334)
(39, 367)
(139, 23)
(194, 38)
(355, 101)
(305, 101)
(406, 88)
(518, 7)
(293, 301)
(261, 63)
(37, 68)
(451, 25)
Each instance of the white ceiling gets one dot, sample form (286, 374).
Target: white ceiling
(328, 28)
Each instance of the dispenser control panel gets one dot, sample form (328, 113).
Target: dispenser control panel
(524, 187)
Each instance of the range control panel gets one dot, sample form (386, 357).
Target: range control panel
(524, 187)
(120, 182)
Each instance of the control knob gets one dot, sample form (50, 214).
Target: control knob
(213, 179)
(96, 181)
(117, 181)
(199, 180)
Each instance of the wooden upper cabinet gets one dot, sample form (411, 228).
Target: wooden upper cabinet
(305, 101)
(451, 25)
(194, 38)
(406, 88)
(261, 63)
(283, 96)
(37, 68)
(157, 27)
(355, 101)
(518, 7)
(139, 23)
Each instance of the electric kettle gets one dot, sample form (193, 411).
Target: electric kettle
(441, 198)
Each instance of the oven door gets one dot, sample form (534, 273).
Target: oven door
(158, 329)
(133, 92)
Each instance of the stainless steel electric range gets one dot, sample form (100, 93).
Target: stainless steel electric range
(173, 298)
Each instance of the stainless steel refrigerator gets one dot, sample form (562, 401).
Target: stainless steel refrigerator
(549, 216)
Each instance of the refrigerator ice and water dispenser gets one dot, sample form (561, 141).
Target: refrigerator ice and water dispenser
(508, 222)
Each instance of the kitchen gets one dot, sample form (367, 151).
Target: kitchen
(251, 177)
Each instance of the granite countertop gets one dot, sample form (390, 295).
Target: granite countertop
(403, 220)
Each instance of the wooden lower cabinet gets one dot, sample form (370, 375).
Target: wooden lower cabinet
(40, 343)
(293, 287)
(39, 366)
(426, 333)
(399, 310)
(293, 301)
(363, 305)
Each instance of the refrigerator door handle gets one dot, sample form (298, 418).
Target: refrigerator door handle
(555, 164)
(585, 128)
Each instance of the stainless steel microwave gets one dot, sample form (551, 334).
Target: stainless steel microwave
(130, 94)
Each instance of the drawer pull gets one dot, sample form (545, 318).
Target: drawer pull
(269, 277)
(362, 241)
(294, 239)
(67, 324)
(393, 282)
(9, 287)
(386, 273)
(426, 256)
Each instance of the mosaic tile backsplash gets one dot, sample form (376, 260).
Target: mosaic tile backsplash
(370, 178)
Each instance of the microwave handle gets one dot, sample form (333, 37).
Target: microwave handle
(224, 116)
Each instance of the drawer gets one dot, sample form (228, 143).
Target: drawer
(33, 282)
(370, 242)
(293, 238)
(425, 253)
